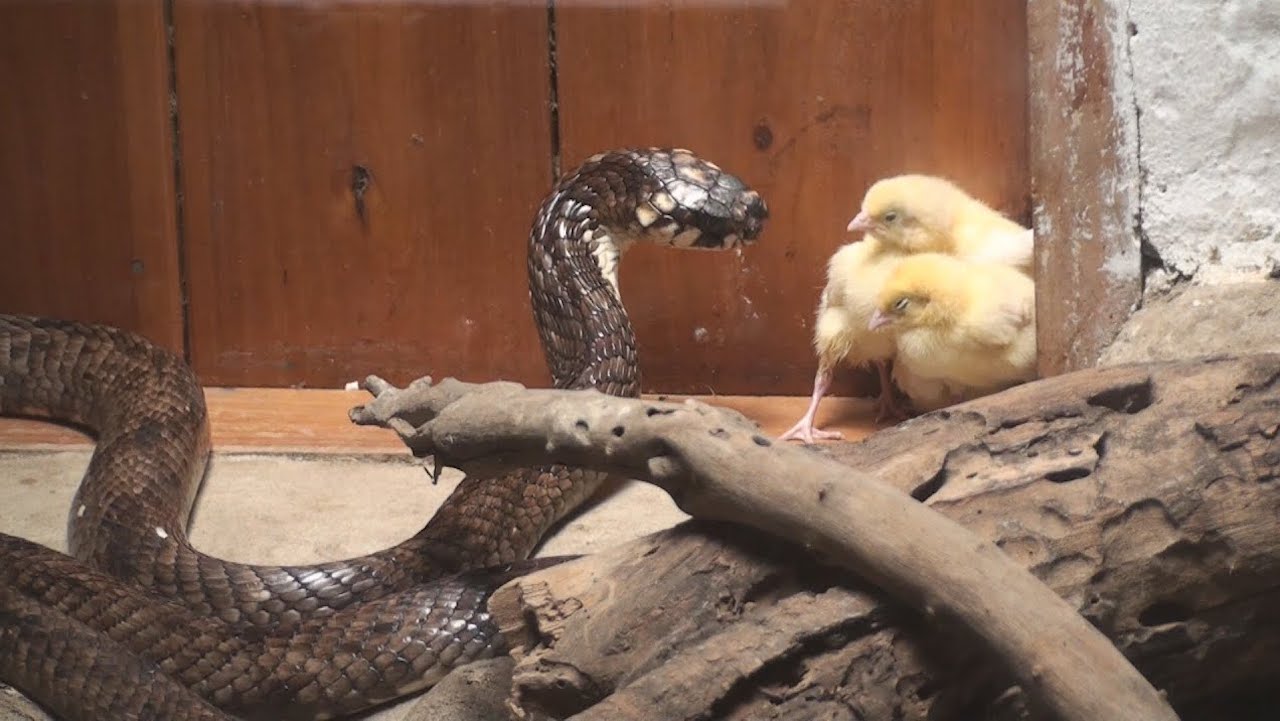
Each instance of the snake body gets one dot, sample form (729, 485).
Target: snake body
(137, 623)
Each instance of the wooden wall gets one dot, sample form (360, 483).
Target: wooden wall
(357, 179)
(87, 211)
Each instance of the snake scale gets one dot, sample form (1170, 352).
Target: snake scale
(138, 624)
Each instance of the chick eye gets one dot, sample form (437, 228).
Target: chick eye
(890, 216)
(902, 304)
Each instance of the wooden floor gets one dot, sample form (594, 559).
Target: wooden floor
(279, 420)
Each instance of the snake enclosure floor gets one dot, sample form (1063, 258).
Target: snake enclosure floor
(293, 481)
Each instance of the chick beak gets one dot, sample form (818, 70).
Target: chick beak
(860, 223)
(879, 319)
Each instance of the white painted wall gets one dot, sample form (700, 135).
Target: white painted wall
(1206, 81)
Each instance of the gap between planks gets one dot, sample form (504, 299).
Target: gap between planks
(314, 421)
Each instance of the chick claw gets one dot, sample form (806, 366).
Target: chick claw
(803, 429)
(889, 409)
(807, 433)
(887, 406)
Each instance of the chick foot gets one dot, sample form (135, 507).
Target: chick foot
(888, 408)
(803, 429)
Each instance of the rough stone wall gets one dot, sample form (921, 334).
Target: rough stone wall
(1205, 78)
(1197, 85)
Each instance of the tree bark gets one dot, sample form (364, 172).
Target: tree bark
(1058, 473)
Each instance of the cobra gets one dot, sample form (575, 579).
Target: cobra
(137, 623)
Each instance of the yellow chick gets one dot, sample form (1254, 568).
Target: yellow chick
(925, 394)
(841, 334)
(924, 213)
(963, 329)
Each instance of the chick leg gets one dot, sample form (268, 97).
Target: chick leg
(803, 429)
(887, 406)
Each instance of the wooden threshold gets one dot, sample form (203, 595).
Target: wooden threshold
(313, 421)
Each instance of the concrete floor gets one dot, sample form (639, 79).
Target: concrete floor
(276, 509)
(293, 481)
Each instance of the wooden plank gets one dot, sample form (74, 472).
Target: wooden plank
(1085, 181)
(279, 420)
(810, 103)
(284, 420)
(360, 180)
(86, 166)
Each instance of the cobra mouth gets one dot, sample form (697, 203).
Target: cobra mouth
(683, 202)
(695, 204)
(712, 226)
(707, 241)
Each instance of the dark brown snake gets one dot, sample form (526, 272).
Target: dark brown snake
(141, 625)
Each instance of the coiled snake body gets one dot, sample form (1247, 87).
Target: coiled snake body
(139, 624)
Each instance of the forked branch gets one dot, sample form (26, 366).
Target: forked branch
(717, 466)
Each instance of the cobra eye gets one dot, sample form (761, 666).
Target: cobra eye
(890, 217)
(902, 304)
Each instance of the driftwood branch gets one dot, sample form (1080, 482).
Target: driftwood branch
(1146, 497)
(717, 466)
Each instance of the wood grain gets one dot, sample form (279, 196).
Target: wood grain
(810, 103)
(1085, 178)
(358, 178)
(87, 200)
(286, 420)
(432, 117)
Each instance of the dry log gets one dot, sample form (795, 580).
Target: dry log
(474, 692)
(607, 640)
(16, 707)
(1146, 496)
(699, 456)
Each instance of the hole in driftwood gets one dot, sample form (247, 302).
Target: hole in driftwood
(1162, 612)
(582, 425)
(1100, 446)
(618, 431)
(925, 490)
(1066, 475)
(1129, 398)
